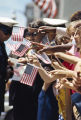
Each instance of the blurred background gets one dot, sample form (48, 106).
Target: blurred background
(25, 11)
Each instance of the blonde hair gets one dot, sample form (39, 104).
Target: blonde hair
(71, 27)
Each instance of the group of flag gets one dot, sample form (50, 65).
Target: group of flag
(27, 74)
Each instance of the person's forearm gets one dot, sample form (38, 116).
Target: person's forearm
(57, 48)
(45, 76)
(68, 58)
(45, 86)
(56, 65)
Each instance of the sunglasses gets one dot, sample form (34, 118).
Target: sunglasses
(31, 34)
(6, 30)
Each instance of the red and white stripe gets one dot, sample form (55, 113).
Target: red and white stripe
(28, 43)
(18, 36)
(20, 54)
(47, 6)
(29, 79)
(13, 47)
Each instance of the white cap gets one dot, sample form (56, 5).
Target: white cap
(55, 22)
(8, 21)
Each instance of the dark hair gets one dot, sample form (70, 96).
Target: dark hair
(25, 32)
(76, 16)
(6, 29)
(40, 22)
(37, 24)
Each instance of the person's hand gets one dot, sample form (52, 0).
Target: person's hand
(23, 60)
(64, 83)
(59, 86)
(32, 30)
(47, 29)
(56, 48)
(46, 49)
(77, 79)
(38, 46)
(65, 73)
(10, 63)
(34, 60)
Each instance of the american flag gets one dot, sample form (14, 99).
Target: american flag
(19, 35)
(18, 72)
(28, 43)
(29, 75)
(13, 47)
(44, 58)
(47, 6)
(21, 50)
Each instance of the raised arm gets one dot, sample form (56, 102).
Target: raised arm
(57, 48)
(68, 58)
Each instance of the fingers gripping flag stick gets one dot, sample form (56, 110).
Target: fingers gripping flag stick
(29, 75)
(19, 35)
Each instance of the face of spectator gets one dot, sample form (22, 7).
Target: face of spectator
(3, 36)
(62, 40)
(30, 38)
(38, 37)
(51, 35)
(74, 30)
(5, 33)
(78, 39)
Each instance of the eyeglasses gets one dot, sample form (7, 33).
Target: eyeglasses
(31, 34)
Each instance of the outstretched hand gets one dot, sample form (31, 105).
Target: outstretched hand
(34, 60)
(53, 49)
(38, 46)
(23, 60)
